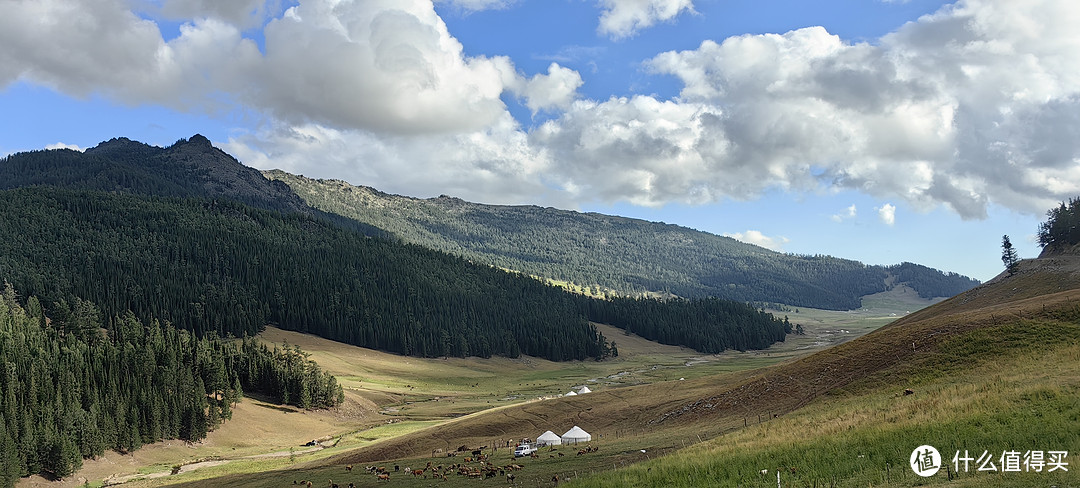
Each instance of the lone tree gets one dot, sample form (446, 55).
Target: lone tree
(1008, 255)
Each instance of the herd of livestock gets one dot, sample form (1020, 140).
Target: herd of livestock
(477, 466)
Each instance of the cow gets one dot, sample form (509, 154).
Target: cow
(417, 473)
(383, 477)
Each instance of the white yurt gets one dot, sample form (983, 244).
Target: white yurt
(548, 438)
(576, 435)
(584, 390)
(570, 393)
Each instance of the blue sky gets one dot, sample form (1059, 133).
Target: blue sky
(882, 131)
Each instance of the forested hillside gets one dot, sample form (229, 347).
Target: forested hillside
(70, 389)
(626, 255)
(224, 267)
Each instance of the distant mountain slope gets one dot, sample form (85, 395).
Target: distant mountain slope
(170, 233)
(623, 254)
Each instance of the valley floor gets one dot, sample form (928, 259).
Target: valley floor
(390, 396)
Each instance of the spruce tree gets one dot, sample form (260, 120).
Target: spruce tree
(1008, 255)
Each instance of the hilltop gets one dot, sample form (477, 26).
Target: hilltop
(627, 256)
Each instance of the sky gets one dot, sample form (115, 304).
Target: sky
(878, 130)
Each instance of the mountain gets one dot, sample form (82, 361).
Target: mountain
(190, 168)
(172, 234)
(626, 255)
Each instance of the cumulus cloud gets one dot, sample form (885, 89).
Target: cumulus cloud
(849, 213)
(383, 65)
(952, 109)
(623, 18)
(102, 47)
(555, 90)
(975, 104)
(61, 145)
(242, 13)
(758, 239)
(496, 165)
(887, 214)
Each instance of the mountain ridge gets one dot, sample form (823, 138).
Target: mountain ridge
(614, 253)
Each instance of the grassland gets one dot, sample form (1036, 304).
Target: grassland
(994, 369)
(392, 401)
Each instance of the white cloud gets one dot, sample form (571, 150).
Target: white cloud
(61, 145)
(383, 65)
(242, 13)
(557, 89)
(975, 104)
(887, 214)
(624, 18)
(758, 239)
(850, 213)
(103, 47)
(496, 165)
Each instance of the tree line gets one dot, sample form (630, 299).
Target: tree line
(222, 266)
(70, 388)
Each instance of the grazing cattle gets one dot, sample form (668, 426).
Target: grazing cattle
(417, 472)
(555, 479)
(764, 472)
(348, 468)
(909, 391)
(331, 484)
(560, 454)
(468, 459)
(509, 477)
(477, 452)
(383, 477)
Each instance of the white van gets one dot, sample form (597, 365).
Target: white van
(524, 450)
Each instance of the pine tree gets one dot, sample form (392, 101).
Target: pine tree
(1008, 255)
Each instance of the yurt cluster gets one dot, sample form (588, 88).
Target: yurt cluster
(582, 391)
(573, 436)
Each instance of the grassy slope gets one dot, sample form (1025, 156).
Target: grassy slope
(996, 369)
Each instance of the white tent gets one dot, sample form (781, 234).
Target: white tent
(548, 438)
(576, 435)
(584, 390)
(570, 393)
